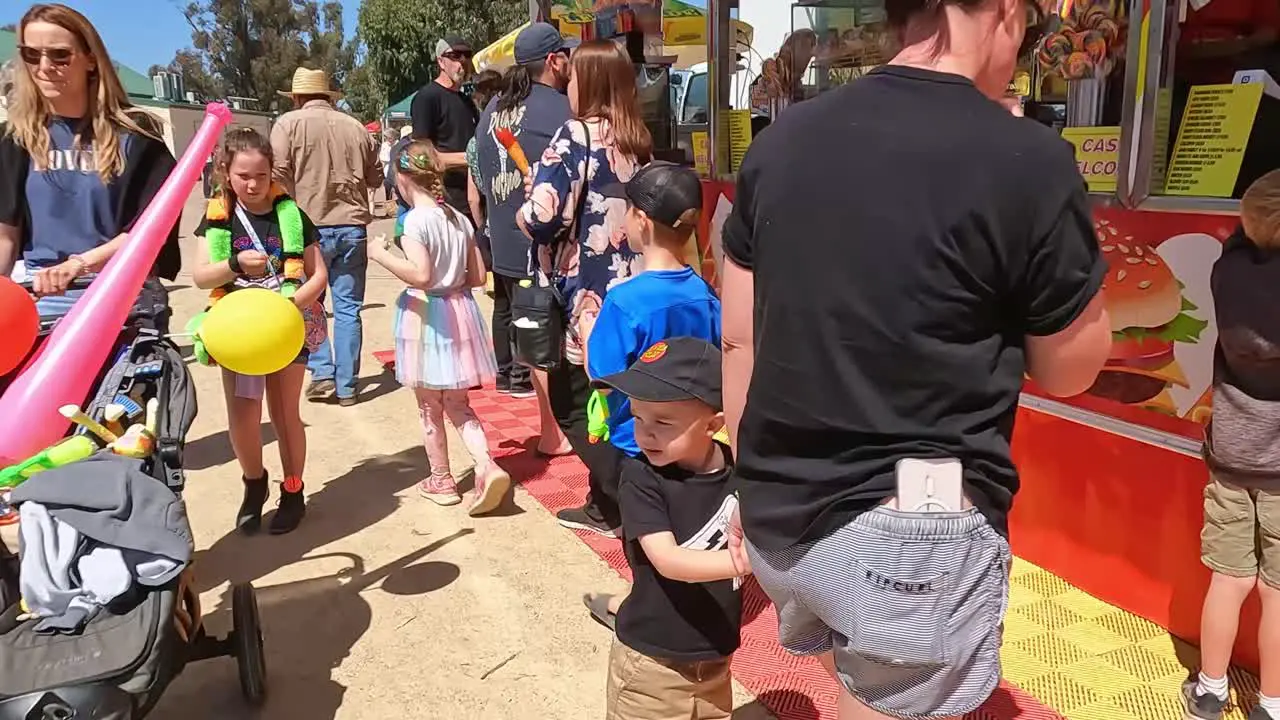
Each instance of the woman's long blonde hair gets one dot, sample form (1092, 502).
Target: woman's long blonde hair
(110, 111)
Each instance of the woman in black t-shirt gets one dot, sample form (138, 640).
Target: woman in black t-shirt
(78, 163)
(277, 249)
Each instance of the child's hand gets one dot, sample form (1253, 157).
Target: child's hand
(252, 262)
(378, 249)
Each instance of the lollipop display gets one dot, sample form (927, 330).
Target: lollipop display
(1086, 44)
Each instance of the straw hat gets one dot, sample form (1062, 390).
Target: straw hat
(310, 82)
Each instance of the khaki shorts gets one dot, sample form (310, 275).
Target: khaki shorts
(645, 688)
(1241, 535)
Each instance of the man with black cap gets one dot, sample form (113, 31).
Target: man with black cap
(678, 629)
(533, 106)
(446, 117)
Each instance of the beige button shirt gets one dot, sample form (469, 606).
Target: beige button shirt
(328, 162)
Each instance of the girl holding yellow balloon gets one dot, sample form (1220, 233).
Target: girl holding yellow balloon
(259, 256)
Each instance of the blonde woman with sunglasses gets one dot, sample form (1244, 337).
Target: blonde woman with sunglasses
(78, 163)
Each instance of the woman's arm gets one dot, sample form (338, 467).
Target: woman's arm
(476, 271)
(10, 248)
(738, 339)
(556, 180)
(317, 277)
(474, 200)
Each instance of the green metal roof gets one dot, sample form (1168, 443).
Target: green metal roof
(135, 83)
(400, 109)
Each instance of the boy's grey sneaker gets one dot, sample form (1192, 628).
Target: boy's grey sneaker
(1203, 707)
(587, 518)
(1260, 713)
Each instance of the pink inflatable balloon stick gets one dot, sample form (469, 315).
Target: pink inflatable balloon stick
(65, 371)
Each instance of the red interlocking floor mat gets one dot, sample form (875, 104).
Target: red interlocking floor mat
(792, 688)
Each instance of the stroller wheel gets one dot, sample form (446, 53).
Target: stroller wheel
(246, 642)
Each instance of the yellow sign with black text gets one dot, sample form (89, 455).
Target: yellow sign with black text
(1097, 155)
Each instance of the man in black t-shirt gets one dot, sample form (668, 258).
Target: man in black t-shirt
(679, 627)
(446, 117)
(901, 251)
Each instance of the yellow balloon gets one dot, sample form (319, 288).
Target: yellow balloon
(253, 331)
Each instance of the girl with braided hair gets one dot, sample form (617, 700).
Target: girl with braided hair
(442, 345)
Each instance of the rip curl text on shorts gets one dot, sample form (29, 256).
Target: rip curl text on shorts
(911, 606)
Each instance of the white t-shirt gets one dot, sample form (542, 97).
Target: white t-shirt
(384, 153)
(446, 242)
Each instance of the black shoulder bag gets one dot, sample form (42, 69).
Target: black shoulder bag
(537, 309)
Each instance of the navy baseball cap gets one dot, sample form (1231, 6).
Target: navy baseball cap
(683, 368)
(539, 40)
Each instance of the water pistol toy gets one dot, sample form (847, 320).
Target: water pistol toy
(139, 441)
(77, 416)
(597, 418)
(73, 449)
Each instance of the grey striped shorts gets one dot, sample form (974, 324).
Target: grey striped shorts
(912, 606)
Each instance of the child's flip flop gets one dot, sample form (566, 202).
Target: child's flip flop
(598, 604)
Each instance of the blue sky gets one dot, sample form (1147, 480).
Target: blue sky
(146, 34)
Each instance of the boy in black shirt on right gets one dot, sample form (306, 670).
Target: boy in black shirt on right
(678, 629)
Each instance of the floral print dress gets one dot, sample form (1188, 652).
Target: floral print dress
(599, 257)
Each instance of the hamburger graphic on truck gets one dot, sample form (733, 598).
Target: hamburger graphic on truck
(1148, 316)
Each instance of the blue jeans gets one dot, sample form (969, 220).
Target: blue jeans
(344, 255)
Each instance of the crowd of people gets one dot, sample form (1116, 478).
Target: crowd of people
(876, 329)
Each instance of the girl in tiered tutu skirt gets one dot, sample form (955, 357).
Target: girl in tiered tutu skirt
(442, 346)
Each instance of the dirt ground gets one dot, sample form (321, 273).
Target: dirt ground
(383, 605)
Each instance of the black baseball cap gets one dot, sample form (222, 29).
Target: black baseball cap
(453, 44)
(670, 194)
(539, 40)
(682, 368)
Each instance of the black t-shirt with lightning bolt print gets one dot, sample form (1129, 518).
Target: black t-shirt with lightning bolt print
(670, 619)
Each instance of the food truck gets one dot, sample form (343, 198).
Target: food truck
(1169, 129)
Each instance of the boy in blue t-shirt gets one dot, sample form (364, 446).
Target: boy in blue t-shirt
(667, 300)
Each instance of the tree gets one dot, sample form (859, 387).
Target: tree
(10, 27)
(250, 48)
(399, 37)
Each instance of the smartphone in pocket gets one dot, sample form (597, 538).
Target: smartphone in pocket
(930, 485)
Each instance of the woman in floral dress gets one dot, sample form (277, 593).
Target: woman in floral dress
(580, 242)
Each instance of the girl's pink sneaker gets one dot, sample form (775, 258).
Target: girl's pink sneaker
(491, 487)
(440, 490)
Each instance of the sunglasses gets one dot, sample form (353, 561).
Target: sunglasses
(457, 56)
(59, 56)
(1037, 27)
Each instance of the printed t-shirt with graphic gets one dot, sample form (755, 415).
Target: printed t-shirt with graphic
(670, 619)
(894, 325)
(268, 230)
(77, 211)
(448, 119)
(533, 122)
(654, 305)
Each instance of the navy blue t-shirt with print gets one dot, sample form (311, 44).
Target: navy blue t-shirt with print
(77, 211)
(534, 122)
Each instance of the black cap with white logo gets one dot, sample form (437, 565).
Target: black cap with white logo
(682, 368)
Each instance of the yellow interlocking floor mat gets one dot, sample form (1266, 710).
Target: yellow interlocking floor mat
(1092, 661)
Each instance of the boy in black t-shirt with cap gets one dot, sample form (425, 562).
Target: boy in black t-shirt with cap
(678, 629)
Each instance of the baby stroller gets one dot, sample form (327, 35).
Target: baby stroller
(119, 664)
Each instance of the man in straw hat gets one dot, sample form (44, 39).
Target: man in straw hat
(446, 117)
(328, 162)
